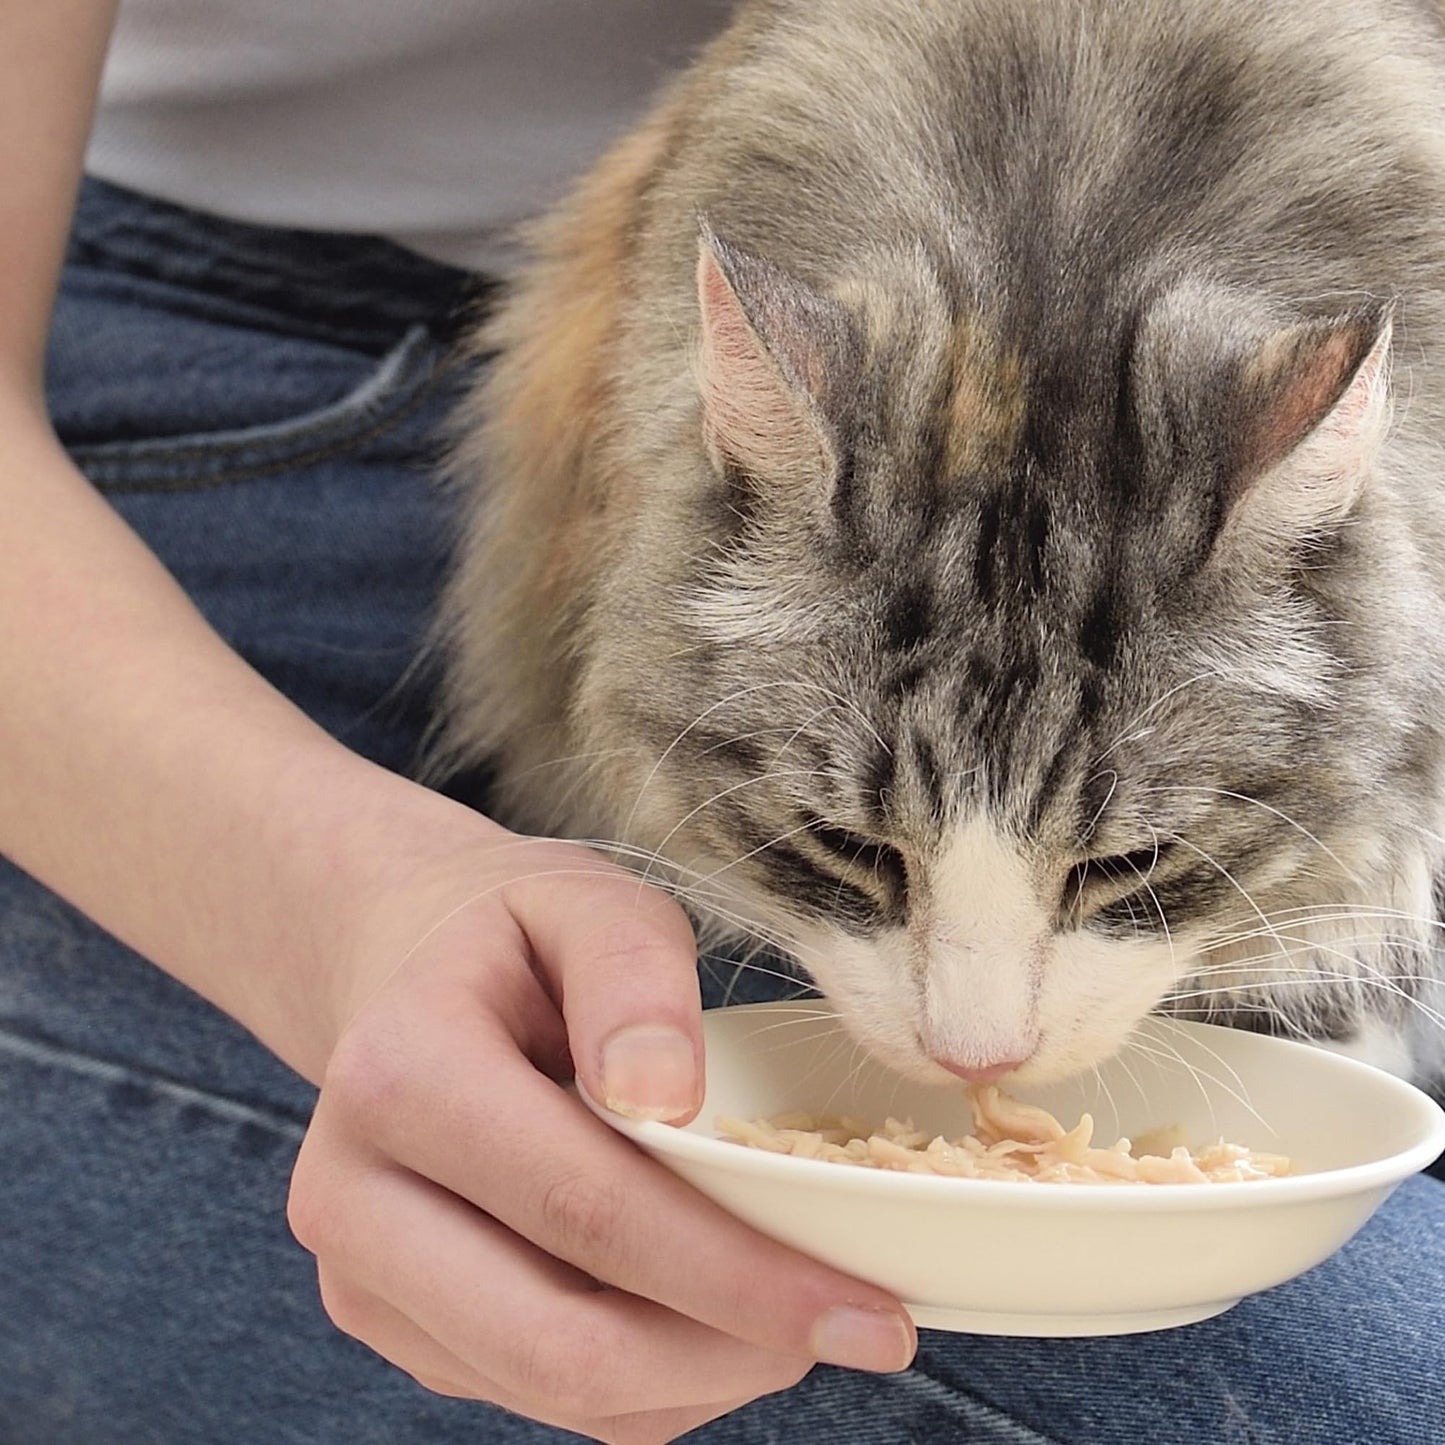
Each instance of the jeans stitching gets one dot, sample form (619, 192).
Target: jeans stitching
(412, 396)
(156, 483)
(340, 415)
(52, 1055)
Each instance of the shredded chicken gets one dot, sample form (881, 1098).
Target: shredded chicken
(1012, 1141)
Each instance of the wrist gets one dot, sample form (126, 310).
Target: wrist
(364, 862)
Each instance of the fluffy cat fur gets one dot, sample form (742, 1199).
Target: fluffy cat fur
(962, 489)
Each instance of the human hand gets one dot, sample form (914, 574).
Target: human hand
(475, 1225)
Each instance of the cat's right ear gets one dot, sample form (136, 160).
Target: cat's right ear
(772, 355)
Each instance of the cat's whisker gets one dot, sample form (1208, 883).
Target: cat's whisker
(739, 966)
(1252, 967)
(1240, 1095)
(842, 1042)
(1302, 943)
(1358, 966)
(771, 776)
(1424, 832)
(1245, 997)
(785, 1024)
(1170, 1059)
(1174, 1027)
(712, 901)
(1158, 906)
(482, 893)
(1197, 1076)
(1276, 812)
(759, 1029)
(1157, 703)
(1370, 910)
(728, 701)
(585, 774)
(1088, 830)
(802, 728)
(1226, 874)
(1167, 1059)
(759, 944)
(1284, 985)
(1104, 1083)
(1305, 917)
(1393, 983)
(747, 737)
(761, 848)
(767, 938)
(596, 755)
(850, 1073)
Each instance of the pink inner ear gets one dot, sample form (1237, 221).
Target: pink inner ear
(1315, 379)
(1304, 404)
(727, 336)
(1355, 412)
(753, 415)
(1317, 438)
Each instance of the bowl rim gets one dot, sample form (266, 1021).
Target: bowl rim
(681, 1142)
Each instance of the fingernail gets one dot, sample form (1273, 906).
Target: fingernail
(863, 1339)
(649, 1071)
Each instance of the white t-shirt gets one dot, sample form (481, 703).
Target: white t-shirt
(438, 123)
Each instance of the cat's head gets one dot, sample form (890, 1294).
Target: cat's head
(1020, 663)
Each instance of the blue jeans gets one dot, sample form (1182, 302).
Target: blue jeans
(262, 407)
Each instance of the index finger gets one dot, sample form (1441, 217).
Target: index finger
(532, 1156)
(622, 962)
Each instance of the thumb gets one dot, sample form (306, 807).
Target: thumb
(621, 959)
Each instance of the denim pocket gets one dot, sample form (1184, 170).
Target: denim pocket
(382, 395)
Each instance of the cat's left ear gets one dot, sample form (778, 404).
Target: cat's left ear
(773, 356)
(1315, 400)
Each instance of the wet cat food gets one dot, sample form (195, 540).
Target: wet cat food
(1013, 1142)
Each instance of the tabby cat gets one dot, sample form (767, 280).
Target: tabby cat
(961, 496)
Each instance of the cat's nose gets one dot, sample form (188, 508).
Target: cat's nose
(980, 1073)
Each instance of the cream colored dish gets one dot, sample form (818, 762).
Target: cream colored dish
(997, 1257)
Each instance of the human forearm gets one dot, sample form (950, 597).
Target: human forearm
(156, 781)
(145, 772)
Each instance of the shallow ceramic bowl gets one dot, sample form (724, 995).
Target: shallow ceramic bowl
(1058, 1259)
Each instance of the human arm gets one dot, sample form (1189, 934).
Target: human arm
(155, 780)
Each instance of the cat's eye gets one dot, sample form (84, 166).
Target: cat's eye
(1119, 874)
(868, 855)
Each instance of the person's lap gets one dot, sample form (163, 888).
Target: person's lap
(276, 458)
(153, 1293)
